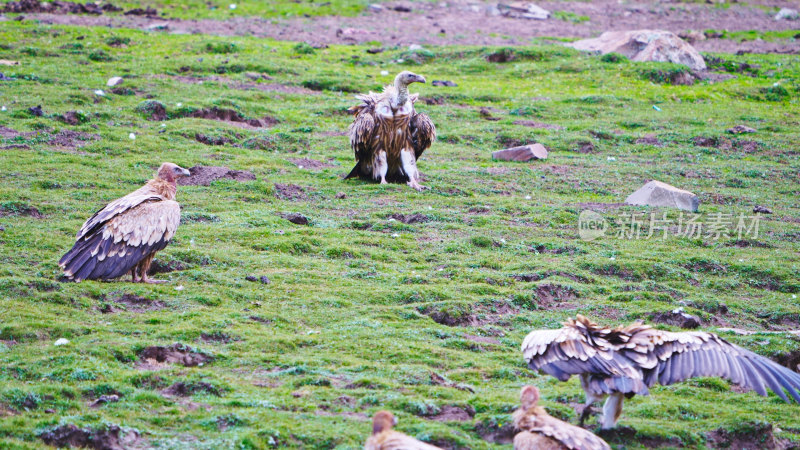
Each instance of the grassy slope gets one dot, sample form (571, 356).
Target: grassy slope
(346, 303)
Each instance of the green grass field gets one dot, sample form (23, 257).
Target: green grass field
(346, 325)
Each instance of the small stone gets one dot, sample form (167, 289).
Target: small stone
(132, 136)
(523, 153)
(36, 111)
(444, 83)
(758, 209)
(414, 47)
(179, 288)
(112, 398)
(523, 10)
(384, 72)
(341, 195)
(374, 7)
(787, 14)
(656, 193)
(114, 81)
(99, 92)
(296, 218)
(644, 45)
(61, 342)
(264, 280)
(232, 6)
(251, 278)
(678, 318)
(157, 27)
(740, 129)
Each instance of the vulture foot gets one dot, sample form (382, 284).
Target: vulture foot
(415, 185)
(152, 281)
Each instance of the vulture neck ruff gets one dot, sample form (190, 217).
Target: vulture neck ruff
(164, 188)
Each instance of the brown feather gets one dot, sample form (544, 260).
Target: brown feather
(385, 438)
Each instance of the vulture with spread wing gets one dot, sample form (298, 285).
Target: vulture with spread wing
(539, 430)
(388, 136)
(125, 235)
(385, 438)
(625, 361)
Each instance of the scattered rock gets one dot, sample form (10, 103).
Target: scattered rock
(761, 209)
(310, 164)
(402, 8)
(523, 10)
(133, 303)
(291, 192)
(534, 124)
(263, 279)
(341, 195)
(58, 7)
(152, 110)
(522, 153)
(374, 7)
(585, 147)
(73, 118)
(746, 436)
(410, 218)
(114, 81)
(656, 193)
(212, 140)
(104, 399)
(787, 14)
(444, 83)
(740, 129)
(204, 175)
(20, 209)
(106, 437)
(644, 45)
(692, 36)
(233, 117)
(450, 413)
(375, 50)
(158, 266)
(148, 12)
(441, 381)
(677, 318)
(187, 389)
(295, 218)
(175, 354)
(486, 114)
(35, 111)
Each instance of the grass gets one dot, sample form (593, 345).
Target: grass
(344, 327)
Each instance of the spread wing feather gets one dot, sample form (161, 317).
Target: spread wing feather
(394, 440)
(632, 358)
(423, 133)
(537, 420)
(110, 249)
(362, 130)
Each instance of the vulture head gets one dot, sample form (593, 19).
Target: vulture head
(170, 172)
(383, 421)
(529, 396)
(405, 78)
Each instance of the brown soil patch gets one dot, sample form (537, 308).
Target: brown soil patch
(450, 413)
(534, 124)
(745, 243)
(59, 7)
(602, 207)
(550, 273)
(727, 144)
(175, 354)
(309, 164)
(218, 337)
(790, 360)
(21, 210)
(474, 315)
(295, 218)
(104, 400)
(503, 434)
(676, 318)
(465, 23)
(70, 118)
(233, 117)
(187, 389)
(260, 320)
(212, 140)
(64, 138)
(649, 139)
(158, 266)
(410, 218)
(749, 436)
(132, 303)
(110, 437)
(290, 192)
(550, 296)
(204, 175)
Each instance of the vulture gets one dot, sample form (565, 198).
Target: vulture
(125, 235)
(627, 360)
(388, 136)
(384, 438)
(539, 430)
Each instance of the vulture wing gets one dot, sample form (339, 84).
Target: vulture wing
(362, 130)
(107, 249)
(675, 357)
(423, 133)
(568, 435)
(574, 351)
(394, 440)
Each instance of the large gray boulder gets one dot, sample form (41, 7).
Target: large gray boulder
(645, 45)
(522, 153)
(656, 193)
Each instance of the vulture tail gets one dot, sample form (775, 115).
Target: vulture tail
(79, 263)
(355, 172)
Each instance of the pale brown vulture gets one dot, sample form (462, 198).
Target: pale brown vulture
(125, 235)
(388, 136)
(625, 361)
(539, 430)
(384, 438)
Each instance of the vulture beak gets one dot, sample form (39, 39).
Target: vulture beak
(420, 79)
(394, 421)
(185, 172)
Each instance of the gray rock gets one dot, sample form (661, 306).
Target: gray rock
(787, 14)
(644, 45)
(374, 7)
(295, 218)
(656, 193)
(523, 10)
(114, 81)
(523, 153)
(677, 318)
(740, 129)
(758, 209)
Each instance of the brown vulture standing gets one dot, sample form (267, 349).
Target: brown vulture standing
(625, 361)
(388, 136)
(539, 430)
(125, 235)
(384, 438)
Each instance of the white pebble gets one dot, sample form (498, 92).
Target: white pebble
(612, 258)
(309, 332)
(430, 207)
(611, 158)
(502, 241)
(391, 219)
(232, 6)
(132, 136)
(300, 166)
(395, 235)
(179, 104)
(113, 81)
(3, 108)
(179, 288)
(163, 125)
(384, 72)
(99, 92)
(794, 296)
(61, 341)
(528, 197)
(741, 260)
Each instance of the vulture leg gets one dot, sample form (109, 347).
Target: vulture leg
(409, 162)
(381, 167)
(143, 267)
(612, 410)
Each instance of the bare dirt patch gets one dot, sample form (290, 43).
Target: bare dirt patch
(496, 433)
(59, 7)
(748, 436)
(450, 413)
(232, 117)
(290, 192)
(158, 266)
(474, 315)
(676, 318)
(187, 389)
(20, 209)
(410, 218)
(65, 138)
(535, 124)
(727, 144)
(218, 337)
(109, 437)
(649, 139)
(131, 303)
(439, 380)
(309, 164)
(175, 354)
(551, 273)
(790, 360)
(212, 140)
(204, 175)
